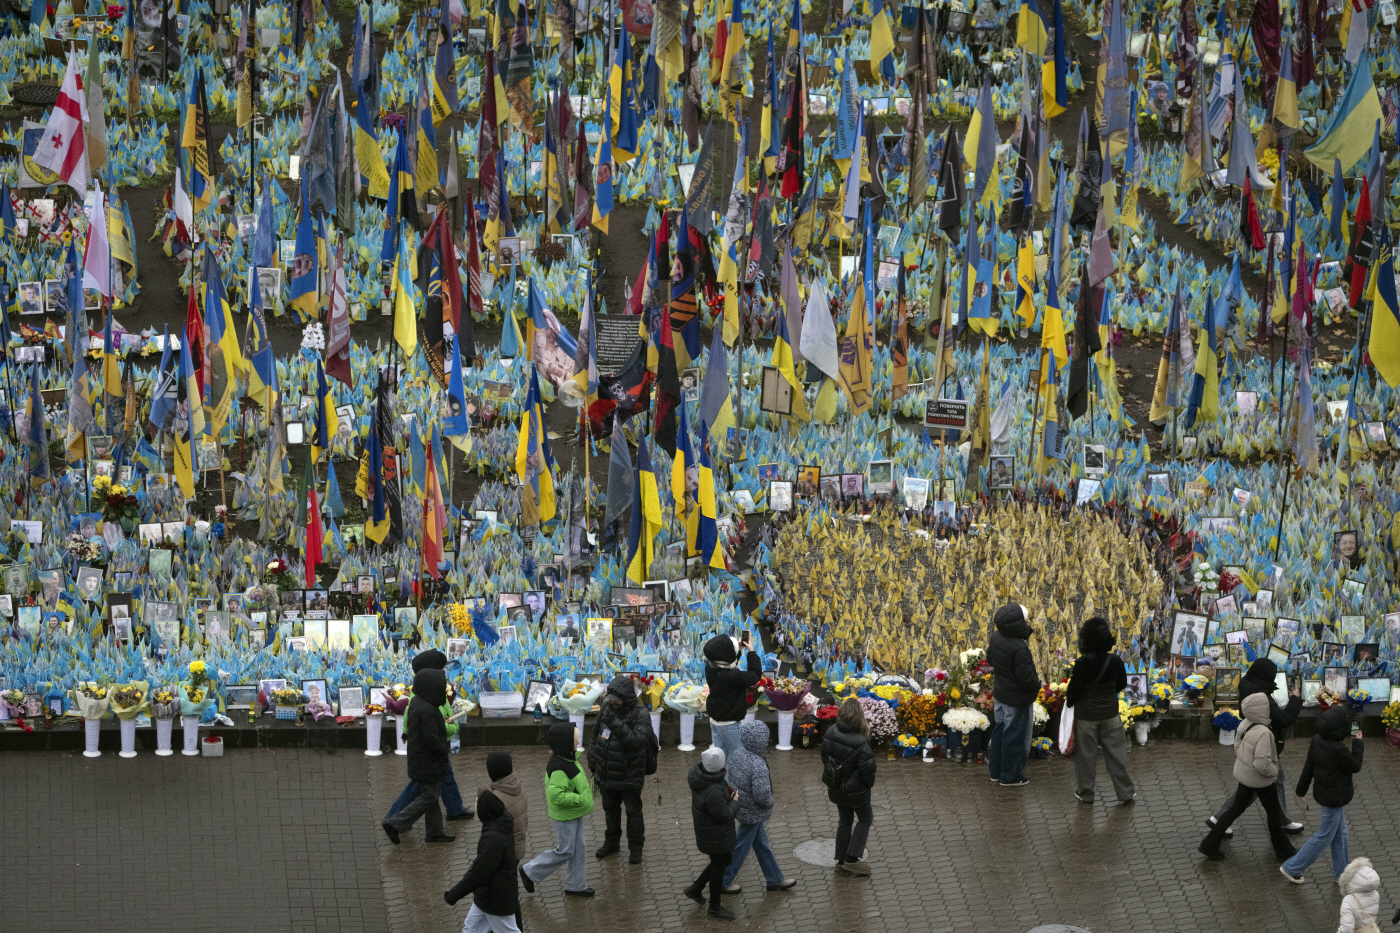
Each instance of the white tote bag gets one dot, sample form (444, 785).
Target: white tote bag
(1067, 731)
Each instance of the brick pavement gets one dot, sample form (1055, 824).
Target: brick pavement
(288, 840)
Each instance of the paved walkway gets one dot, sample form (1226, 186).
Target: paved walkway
(288, 840)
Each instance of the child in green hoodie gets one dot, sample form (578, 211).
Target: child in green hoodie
(570, 798)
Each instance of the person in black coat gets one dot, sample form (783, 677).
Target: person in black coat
(427, 757)
(1260, 679)
(1014, 689)
(490, 878)
(451, 796)
(848, 771)
(1328, 770)
(1094, 684)
(621, 755)
(728, 702)
(713, 806)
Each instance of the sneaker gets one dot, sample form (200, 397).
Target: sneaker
(1215, 855)
(1293, 828)
(1229, 830)
(783, 885)
(390, 831)
(695, 895)
(634, 857)
(1130, 801)
(996, 780)
(1296, 879)
(859, 867)
(1084, 798)
(719, 913)
(606, 850)
(466, 814)
(734, 889)
(526, 880)
(1021, 783)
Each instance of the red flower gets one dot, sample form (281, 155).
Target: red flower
(826, 712)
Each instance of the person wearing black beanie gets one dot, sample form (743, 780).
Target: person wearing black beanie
(505, 784)
(491, 877)
(435, 660)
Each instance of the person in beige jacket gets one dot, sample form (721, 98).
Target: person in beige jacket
(1256, 768)
(505, 784)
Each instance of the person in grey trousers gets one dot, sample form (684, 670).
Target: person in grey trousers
(1094, 684)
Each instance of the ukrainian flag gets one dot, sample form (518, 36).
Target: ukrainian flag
(711, 551)
(427, 168)
(735, 60)
(1052, 329)
(533, 461)
(1350, 130)
(1051, 447)
(1031, 34)
(367, 150)
(225, 356)
(327, 422)
(646, 519)
(262, 368)
(782, 359)
(194, 426)
(1384, 344)
(1026, 282)
(603, 189)
(405, 318)
(682, 470)
(304, 266)
(1204, 400)
(882, 44)
(622, 98)
(1054, 73)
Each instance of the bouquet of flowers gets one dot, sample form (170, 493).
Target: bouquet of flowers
(918, 715)
(319, 709)
(985, 701)
(828, 713)
(965, 721)
(1161, 693)
(575, 697)
(1207, 580)
(195, 696)
(1390, 718)
(279, 576)
(1041, 746)
(1359, 698)
(1040, 717)
(129, 700)
(82, 549)
(1195, 683)
(650, 690)
(685, 697)
(113, 501)
(908, 744)
(374, 709)
(165, 703)
(1327, 698)
(396, 699)
(92, 699)
(851, 686)
(1227, 720)
(882, 721)
(14, 702)
(787, 693)
(287, 696)
(1052, 697)
(751, 695)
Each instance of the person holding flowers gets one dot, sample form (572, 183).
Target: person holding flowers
(752, 782)
(621, 755)
(1094, 684)
(1014, 691)
(729, 687)
(427, 758)
(1328, 770)
(848, 771)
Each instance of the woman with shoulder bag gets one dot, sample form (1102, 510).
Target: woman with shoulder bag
(1094, 684)
(848, 771)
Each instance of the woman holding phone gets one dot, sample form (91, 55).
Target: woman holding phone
(729, 687)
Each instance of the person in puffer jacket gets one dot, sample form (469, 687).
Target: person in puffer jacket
(1328, 770)
(729, 687)
(1256, 768)
(621, 753)
(749, 776)
(1361, 898)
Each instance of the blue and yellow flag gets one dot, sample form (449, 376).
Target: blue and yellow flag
(327, 422)
(1204, 401)
(225, 358)
(646, 519)
(684, 482)
(367, 149)
(426, 171)
(304, 265)
(1384, 345)
(534, 463)
(783, 360)
(1349, 131)
(1031, 33)
(1052, 445)
(622, 103)
(405, 318)
(711, 550)
(38, 436)
(262, 362)
(1054, 73)
(444, 99)
(881, 44)
(113, 396)
(603, 185)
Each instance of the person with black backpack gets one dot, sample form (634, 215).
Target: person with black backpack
(621, 755)
(848, 771)
(1094, 684)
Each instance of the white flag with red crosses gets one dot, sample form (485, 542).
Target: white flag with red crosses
(64, 146)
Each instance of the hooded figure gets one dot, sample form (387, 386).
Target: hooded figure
(621, 755)
(712, 809)
(491, 876)
(1256, 769)
(1361, 899)
(570, 798)
(505, 784)
(426, 728)
(1009, 654)
(748, 773)
(1260, 679)
(434, 660)
(729, 687)
(431, 659)
(1328, 770)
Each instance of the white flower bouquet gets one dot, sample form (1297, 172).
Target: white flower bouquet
(1039, 714)
(576, 697)
(965, 720)
(686, 697)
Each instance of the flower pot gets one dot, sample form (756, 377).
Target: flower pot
(656, 725)
(212, 746)
(92, 728)
(576, 720)
(785, 730)
(191, 727)
(1227, 736)
(687, 733)
(374, 732)
(402, 748)
(163, 729)
(128, 727)
(1140, 732)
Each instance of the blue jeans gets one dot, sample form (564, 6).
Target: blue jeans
(569, 851)
(727, 738)
(753, 836)
(1010, 743)
(1333, 832)
(451, 796)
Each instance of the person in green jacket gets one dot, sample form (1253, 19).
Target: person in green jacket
(570, 798)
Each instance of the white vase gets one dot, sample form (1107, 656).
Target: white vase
(1140, 732)
(163, 729)
(785, 730)
(402, 748)
(128, 727)
(687, 732)
(751, 715)
(656, 725)
(1227, 736)
(191, 727)
(92, 728)
(577, 720)
(374, 732)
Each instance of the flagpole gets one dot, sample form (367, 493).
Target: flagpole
(1362, 326)
(1278, 535)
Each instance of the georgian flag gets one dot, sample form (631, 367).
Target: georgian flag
(64, 146)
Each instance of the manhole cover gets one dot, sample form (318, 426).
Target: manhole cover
(35, 95)
(818, 852)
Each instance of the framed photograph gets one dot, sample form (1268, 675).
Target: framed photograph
(600, 633)
(830, 487)
(1377, 687)
(314, 631)
(315, 691)
(1094, 460)
(30, 620)
(1246, 403)
(1188, 634)
(31, 297)
(1311, 686)
(1334, 654)
(808, 480)
(566, 627)
(1237, 656)
(265, 689)
(767, 472)
(1136, 691)
(1227, 684)
(456, 648)
(1351, 627)
(515, 616)
(1353, 587)
(535, 601)
(509, 600)
(853, 485)
(1278, 655)
(1254, 630)
(1392, 625)
(364, 630)
(880, 475)
(17, 579)
(1159, 484)
(1001, 474)
(338, 634)
(1335, 679)
(351, 700)
(1225, 605)
(296, 433)
(50, 583)
(1365, 655)
(167, 633)
(780, 495)
(241, 696)
(1237, 637)
(1264, 599)
(7, 606)
(916, 492)
(378, 695)
(1346, 549)
(776, 393)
